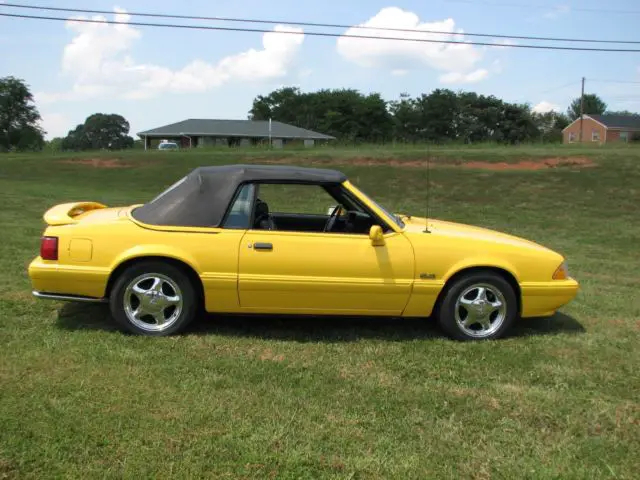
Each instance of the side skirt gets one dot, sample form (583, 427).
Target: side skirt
(67, 298)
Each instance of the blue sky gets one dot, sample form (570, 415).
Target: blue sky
(156, 76)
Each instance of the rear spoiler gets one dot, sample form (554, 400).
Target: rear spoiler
(66, 213)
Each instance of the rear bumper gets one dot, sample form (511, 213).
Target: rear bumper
(541, 299)
(50, 279)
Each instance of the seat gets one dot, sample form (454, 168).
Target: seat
(263, 220)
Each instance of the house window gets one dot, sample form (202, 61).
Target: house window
(572, 137)
(624, 136)
(595, 135)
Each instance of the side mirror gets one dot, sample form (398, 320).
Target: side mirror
(376, 235)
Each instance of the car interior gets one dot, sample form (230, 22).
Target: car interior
(348, 215)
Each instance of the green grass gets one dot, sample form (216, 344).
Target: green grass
(334, 398)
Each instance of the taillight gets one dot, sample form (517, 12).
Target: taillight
(49, 248)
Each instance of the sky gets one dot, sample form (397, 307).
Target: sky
(156, 76)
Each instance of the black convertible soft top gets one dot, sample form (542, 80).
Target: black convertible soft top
(201, 198)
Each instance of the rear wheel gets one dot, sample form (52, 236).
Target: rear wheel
(478, 306)
(153, 298)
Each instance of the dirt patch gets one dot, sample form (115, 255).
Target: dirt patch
(98, 162)
(538, 164)
(533, 164)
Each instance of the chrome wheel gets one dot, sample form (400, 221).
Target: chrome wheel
(153, 302)
(480, 310)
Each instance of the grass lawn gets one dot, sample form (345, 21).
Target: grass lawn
(334, 398)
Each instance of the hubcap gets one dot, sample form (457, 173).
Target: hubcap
(480, 310)
(153, 302)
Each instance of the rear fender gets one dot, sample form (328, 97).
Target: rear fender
(159, 250)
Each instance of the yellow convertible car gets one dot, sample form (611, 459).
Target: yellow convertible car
(252, 239)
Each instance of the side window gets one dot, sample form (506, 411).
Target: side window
(308, 208)
(240, 214)
(295, 198)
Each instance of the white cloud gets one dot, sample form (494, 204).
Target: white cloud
(98, 60)
(55, 124)
(545, 107)
(399, 72)
(557, 12)
(456, 60)
(457, 77)
(504, 43)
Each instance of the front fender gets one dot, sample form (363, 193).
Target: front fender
(482, 261)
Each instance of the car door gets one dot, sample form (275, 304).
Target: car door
(285, 271)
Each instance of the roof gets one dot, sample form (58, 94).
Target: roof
(234, 128)
(280, 173)
(201, 198)
(618, 121)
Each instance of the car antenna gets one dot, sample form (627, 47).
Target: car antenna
(426, 216)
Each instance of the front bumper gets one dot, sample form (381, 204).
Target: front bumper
(543, 299)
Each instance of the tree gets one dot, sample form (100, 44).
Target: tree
(550, 125)
(344, 113)
(99, 131)
(622, 113)
(593, 104)
(19, 117)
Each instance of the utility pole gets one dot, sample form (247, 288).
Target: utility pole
(581, 108)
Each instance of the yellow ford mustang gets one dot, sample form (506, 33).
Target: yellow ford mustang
(243, 239)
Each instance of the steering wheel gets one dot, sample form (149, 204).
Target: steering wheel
(332, 219)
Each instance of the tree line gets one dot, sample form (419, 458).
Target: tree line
(20, 128)
(441, 116)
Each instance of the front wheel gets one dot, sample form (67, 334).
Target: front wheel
(154, 299)
(478, 306)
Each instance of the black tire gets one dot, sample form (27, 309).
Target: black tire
(169, 274)
(496, 284)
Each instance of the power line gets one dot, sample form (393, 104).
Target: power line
(318, 34)
(547, 7)
(570, 84)
(310, 24)
(628, 82)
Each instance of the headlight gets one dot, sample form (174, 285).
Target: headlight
(562, 272)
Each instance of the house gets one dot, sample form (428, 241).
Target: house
(602, 129)
(206, 132)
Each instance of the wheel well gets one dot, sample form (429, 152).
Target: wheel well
(466, 271)
(185, 268)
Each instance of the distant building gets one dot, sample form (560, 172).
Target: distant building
(603, 129)
(206, 133)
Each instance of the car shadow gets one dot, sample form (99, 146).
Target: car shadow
(78, 316)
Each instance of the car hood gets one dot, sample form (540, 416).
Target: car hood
(458, 230)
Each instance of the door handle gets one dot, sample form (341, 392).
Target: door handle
(263, 246)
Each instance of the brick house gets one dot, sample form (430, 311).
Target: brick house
(603, 129)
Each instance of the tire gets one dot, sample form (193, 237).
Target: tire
(478, 306)
(153, 298)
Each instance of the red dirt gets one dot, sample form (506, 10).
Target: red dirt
(533, 164)
(97, 162)
(527, 165)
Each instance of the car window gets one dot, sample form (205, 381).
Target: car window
(295, 198)
(240, 213)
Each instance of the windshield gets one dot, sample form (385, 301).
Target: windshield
(396, 218)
